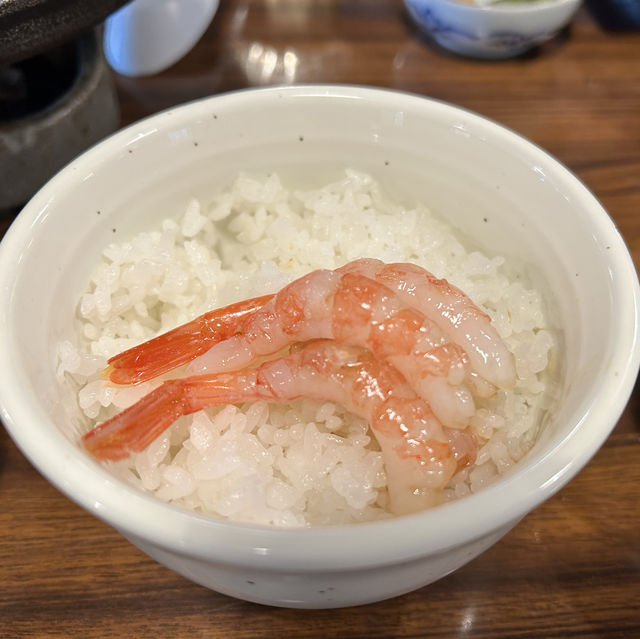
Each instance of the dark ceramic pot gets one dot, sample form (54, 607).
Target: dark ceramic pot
(35, 146)
(56, 92)
(29, 27)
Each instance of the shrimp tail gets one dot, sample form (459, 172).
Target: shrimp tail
(180, 345)
(133, 429)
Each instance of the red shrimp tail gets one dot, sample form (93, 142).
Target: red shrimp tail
(180, 345)
(132, 430)
(136, 427)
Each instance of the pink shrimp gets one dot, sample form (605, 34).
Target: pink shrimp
(420, 455)
(454, 313)
(448, 307)
(180, 345)
(352, 309)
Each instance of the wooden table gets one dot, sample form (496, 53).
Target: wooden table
(571, 568)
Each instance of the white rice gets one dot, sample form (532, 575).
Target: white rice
(307, 463)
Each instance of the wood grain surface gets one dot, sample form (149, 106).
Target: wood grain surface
(569, 569)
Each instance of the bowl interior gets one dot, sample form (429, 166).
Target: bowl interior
(503, 193)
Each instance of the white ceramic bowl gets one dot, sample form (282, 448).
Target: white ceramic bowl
(491, 31)
(509, 194)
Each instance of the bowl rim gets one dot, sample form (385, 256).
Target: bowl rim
(147, 519)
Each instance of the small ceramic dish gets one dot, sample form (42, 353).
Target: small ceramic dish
(501, 30)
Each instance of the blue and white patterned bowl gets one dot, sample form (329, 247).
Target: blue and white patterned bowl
(494, 31)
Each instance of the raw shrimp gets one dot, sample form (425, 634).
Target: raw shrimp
(420, 455)
(180, 345)
(453, 311)
(442, 342)
(352, 309)
(448, 307)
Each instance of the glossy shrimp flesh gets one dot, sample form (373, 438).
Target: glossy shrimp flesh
(180, 345)
(352, 309)
(420, 455)
(448, 307)
(453, 311)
